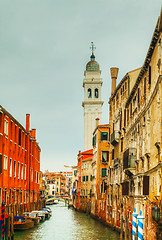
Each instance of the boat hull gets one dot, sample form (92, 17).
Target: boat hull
(20, 226)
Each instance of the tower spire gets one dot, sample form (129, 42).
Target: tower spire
(92, 47)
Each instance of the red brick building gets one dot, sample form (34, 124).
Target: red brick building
(19, 163)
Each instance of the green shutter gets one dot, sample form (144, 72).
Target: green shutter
(103, 172)
(104, 136)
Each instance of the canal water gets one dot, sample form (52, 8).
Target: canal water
(67, 224)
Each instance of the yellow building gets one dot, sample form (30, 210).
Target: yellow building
(86, 183)
(101, 136)
(134, 175)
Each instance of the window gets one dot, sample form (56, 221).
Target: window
(15, 132)
(103, 172)
(121, 145)
(89, 93)
(87, 178)
(112, 153)
(105, 156)
(94, 141)
(104, 136)
(138, 95)
(25, 172)
(10, 167)
(18, 170)
(19, 137)
(117, 96)
(87, 165)
(22, 171)
(14, 168)
(121, 90)
(149, 80)
(127, 115)
(145, 85)
(6, 127)
(5, 162)
(75, 172)
(96, 93)
(125, 85)
(83, 178)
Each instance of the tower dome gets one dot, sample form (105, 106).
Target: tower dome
(92, 65)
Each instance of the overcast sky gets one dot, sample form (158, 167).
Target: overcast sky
(44, 48)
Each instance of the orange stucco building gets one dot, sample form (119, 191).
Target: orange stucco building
(19, 163)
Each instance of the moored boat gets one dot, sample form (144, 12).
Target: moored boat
(47, 214)
(41, 215)
(33, 216)
(21, 223)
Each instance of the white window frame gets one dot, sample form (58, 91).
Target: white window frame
(18, 170)
(6, 126)
(14, 168)
(25, 172)
(5, 162)
(22, 170)
(10, 167)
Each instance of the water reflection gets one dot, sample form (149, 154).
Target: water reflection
(70, 225)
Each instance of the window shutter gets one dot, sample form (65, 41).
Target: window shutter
(124, 117)
(138, 95)
(104, 136)
(145, 185)
(125, 188)
(145, 85)
(130, 109)
(127, 115)
(112, 153)
(149, 75)
(101, 188)
(103, 172)
(121, 121)
(19, 136)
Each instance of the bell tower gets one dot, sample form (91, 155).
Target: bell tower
(92, 103)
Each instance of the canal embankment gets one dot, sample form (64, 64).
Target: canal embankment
(65, 223)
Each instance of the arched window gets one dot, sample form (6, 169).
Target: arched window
(96, 93)
(89, 93)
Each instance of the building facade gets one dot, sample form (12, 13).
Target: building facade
(19, 164)
(130, 177)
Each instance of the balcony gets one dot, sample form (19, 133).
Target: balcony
(115, 138)
(129, 158)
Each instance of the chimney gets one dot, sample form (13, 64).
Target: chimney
(27, 122)
(97, 121)
(34, 133)
(114, 74)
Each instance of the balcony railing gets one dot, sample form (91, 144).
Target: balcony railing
(115, 138)
(129, 158)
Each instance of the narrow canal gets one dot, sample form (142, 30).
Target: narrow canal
(67, 224)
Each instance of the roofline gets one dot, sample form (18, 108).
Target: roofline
(126, 76)
(148, 58)
(2, 109)
(101, 126)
